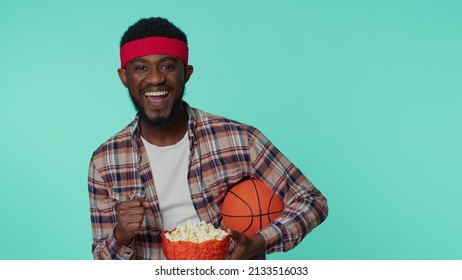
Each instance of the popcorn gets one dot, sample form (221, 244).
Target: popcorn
(195, 241)
(197, 232)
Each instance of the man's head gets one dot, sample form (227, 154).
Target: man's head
(152, 27)
(154, 68)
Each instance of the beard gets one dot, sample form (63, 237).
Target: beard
(158, 122)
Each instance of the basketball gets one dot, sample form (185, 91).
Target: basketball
(250, 206)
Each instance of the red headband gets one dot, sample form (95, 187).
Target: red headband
(153, 45)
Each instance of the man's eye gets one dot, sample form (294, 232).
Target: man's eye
(140, 68)
(168, 67)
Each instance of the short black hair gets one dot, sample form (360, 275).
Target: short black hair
(154, 26)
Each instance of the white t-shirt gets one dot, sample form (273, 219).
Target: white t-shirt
(169, 165)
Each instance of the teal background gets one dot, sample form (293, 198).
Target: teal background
(363, 96)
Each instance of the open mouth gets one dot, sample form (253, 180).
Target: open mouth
(156, 96)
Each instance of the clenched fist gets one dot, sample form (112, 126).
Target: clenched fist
(130, 215)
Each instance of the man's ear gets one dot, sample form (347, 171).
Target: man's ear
(189, 69)
(123, 76)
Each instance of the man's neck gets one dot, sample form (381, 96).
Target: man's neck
(169, 134)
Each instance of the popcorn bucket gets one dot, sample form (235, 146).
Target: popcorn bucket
(187, 250)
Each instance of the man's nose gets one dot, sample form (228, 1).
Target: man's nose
(156, 77)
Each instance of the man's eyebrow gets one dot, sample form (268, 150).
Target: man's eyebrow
(165, 58)
(138, 59)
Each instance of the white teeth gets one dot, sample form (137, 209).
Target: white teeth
(156, 93)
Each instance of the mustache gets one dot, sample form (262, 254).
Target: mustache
(149, 88)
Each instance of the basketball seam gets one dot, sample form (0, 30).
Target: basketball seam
(250, 208)
(269, 205)
(259, 204)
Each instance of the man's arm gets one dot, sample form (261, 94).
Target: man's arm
(305, 206)
(104, 220)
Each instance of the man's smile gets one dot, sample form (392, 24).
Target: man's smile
(156, 96)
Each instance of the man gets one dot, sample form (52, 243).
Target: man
(175, 163)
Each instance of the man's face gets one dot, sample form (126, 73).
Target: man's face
(156, 86)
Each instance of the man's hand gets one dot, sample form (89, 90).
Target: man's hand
(245, 247)
(130, 215)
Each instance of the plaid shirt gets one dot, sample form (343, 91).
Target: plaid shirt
(222, 153)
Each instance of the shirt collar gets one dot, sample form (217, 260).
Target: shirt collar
(191, 122)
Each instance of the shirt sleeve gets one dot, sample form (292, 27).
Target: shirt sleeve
(103, 220)
(305, 206)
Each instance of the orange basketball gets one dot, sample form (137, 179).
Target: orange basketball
(250, 206)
